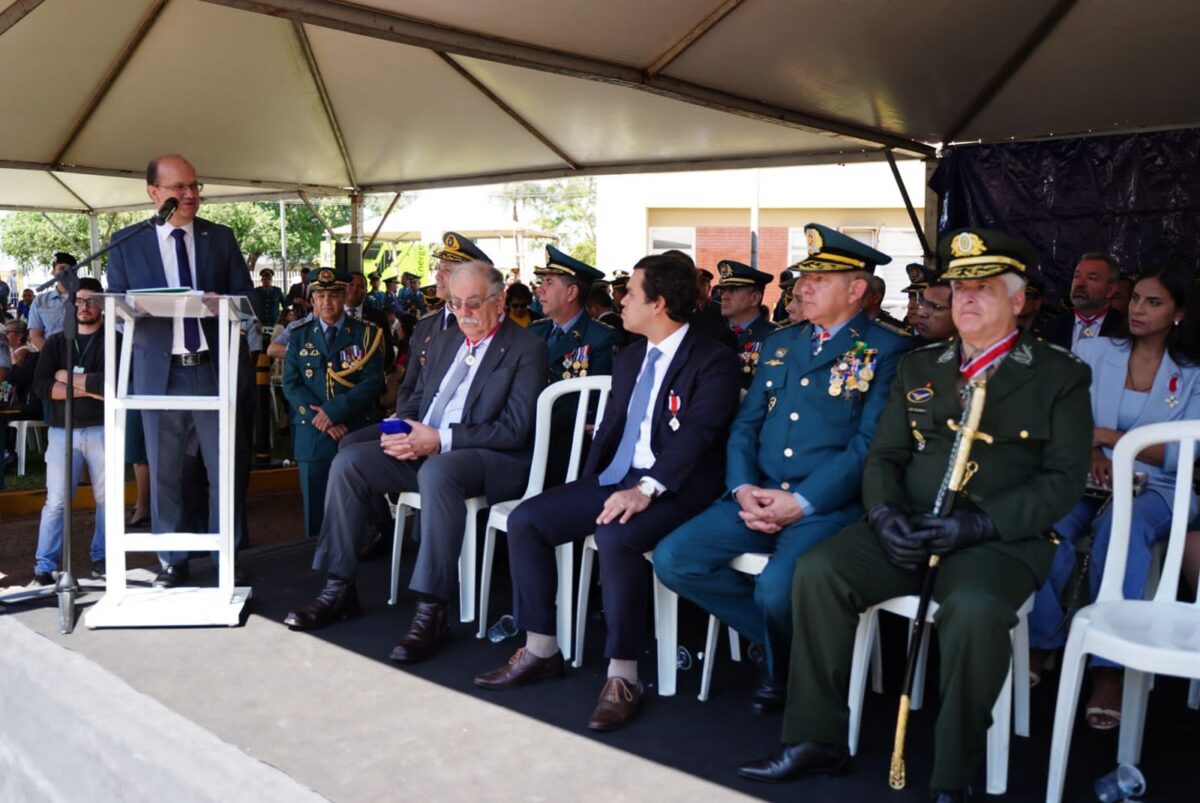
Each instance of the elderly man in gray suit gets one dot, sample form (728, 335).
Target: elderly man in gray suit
(472, 417)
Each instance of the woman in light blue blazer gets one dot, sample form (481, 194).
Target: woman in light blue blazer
(1148, 378)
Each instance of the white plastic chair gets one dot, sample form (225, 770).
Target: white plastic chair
(1157, 636)
(498, 517)
(1014, 696)
(22, 428)
(666, 619)
(751, 563)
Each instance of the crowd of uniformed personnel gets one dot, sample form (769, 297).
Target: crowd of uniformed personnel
(828, 463)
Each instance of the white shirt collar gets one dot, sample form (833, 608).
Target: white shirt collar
(669, 344)
(164, 231)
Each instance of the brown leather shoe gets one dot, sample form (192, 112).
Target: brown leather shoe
(618, 704)
(522, 669)
(337, 600)
(426, 635)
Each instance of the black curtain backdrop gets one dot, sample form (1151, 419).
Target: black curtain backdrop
(1136, 196)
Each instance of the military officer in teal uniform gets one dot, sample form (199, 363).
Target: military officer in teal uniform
(795, 454)
(332, 375)
(994, 546)
(579, 345)
(742, 289)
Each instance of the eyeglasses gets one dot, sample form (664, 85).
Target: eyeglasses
(931, 306)
(87, 302)
(196, 187)
(471, 303)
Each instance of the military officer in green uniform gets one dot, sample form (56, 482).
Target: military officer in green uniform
(994, 547)
(332, 374)
(742, 289)
(794, 457)
(578, 345)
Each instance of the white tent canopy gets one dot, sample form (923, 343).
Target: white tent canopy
(474, 213)
(276, 96)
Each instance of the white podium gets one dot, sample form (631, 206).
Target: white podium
(121, 605)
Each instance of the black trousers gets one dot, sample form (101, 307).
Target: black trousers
(568, 513)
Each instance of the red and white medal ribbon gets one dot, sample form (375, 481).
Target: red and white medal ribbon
(673, 405)
(1087, 321)
(989, 356)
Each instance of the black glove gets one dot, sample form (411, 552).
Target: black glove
(959, 530)
(895, 531)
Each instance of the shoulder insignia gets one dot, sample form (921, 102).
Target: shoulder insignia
(1060, 350)
(937, 344)
(950, 353)
(786, 327)
(889, 327)
(1022, 354)
(369, 325)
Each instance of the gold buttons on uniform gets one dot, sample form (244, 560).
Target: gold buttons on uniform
(787, 452)
(1024, 434)
(784, 486)
(794, 416)
(804, 382)
(770, 384)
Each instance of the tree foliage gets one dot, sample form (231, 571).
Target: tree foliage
(32, 238)
(564, 207)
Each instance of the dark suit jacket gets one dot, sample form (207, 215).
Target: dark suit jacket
(501, 407)
(423, 334)
(137, 264)
(1058, 331)
(689, 460)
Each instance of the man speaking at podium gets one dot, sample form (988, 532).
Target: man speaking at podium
(178, 357)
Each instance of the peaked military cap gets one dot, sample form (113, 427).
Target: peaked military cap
(563, 264)
(391, 280)
(328, 279)
(456, 248)
(920, 278)
(830, 251)
(406, 276)
(736, 274)
(266, 272)
(707, 274)
(619, 279)
(376, 275)
(979, 253)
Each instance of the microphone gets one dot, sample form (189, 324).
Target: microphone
(164, 213)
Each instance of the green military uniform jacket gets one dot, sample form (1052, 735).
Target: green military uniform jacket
(585, 350)
(1037, 410)
(749, 346)
(344, 380)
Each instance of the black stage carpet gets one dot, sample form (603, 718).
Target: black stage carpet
(710, 739)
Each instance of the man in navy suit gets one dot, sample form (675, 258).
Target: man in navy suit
(795, 453)
(1092, 288)
(178, 357)
(651, 467)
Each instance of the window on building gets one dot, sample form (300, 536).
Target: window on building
(903, 246)
(679, 238)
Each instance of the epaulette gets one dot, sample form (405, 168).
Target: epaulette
(888, 327)
(783, 328)
(430, 314)
(596, 322)
(928, 346)
(1060, 349)
(370, 324)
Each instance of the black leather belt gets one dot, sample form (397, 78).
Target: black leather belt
(199, 358)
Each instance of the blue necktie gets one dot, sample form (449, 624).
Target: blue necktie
(638, 406)
(191, 326)
(330, 334)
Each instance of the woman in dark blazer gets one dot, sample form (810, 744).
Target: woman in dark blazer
(1151, 376)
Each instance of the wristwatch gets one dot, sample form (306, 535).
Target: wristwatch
(647, 488)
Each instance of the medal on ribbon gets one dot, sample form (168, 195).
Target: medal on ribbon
(1173, 388)
(674, 406)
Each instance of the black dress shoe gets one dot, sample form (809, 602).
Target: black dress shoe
(98, 569)
(797, 761)
(427, 634)
(171, 576)
(42, 579)
(337, 600)
(769, 697)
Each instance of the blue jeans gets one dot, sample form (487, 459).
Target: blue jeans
(1151, 523)
(88, 443)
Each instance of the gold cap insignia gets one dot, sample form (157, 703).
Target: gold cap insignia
(726, 270)
(451, 242)
(914, 272)
(324, 275)
(814, 240)
(967, 244)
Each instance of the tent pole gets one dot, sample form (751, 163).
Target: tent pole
(94, 240)
(933, 201)
(912, 213)
(382, 220)
(283, 263)
(754, 222)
